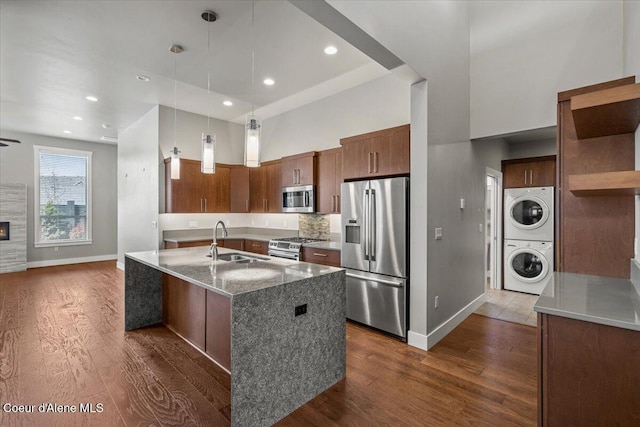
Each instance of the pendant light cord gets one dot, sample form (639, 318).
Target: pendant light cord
(175, 99)
(253, 57)
(209, 75)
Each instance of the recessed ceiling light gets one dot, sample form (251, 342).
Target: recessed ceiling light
(227, 103)
(106, 126)
(92, 98)
(330, 50)
(66, 131)
(143, 78)
(77, 118)
(268, 82)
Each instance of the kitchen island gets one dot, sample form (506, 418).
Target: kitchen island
(588, 347)
(277, 326)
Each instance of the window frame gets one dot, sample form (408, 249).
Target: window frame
(88, 240)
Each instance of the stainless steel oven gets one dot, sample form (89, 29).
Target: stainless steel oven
(299, 199)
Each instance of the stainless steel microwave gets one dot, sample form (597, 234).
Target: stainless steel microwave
(299, 199)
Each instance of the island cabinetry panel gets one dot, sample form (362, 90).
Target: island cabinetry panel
(382, 153)
(329, 180)
(530, 172)
(299, 169)
(256, 246)
(321, 256)
(196, 192)
(218, 330)
(265, 189)
(588, 373)
(184, 309)
(239, 189)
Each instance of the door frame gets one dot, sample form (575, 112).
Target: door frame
(497, 209)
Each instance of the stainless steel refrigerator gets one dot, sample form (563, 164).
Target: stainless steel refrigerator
(375, 252)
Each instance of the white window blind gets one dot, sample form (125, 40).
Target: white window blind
(62, 196)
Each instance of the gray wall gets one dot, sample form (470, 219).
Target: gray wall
(521, 150)
(16, 166)
(138, 183)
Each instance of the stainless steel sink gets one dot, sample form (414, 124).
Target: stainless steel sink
(239, 258)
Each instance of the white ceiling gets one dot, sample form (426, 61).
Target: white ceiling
(54, 53)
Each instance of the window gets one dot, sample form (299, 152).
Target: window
(62, 196)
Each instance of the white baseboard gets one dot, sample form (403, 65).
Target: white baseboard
(425, 342)
(120, 265)
(65, 261)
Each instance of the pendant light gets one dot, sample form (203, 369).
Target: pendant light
(208, 164)
(175, 157)
(252, 127)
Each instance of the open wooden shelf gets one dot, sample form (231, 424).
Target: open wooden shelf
(605, 184)
(605, 112)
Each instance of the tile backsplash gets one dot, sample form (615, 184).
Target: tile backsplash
(314, 226)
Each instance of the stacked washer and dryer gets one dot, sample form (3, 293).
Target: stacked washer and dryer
(529, 237)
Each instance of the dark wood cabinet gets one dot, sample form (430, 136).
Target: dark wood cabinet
(184, 309)
(321, 256)
(174, 245)
(299, 169)
(256, 246)
(530, 172)
(237, 244)
(196, 192)
(382, 153)
(588, 373)
(329, 181)
(239, 189)
(265, 190)
(218, 329)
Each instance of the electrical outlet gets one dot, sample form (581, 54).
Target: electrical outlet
(266, 222)
(154, 224)
(435, 304)
(438, 233)
(55, 249)
(462, 203)
(301, 309)
(193, 224)
(284, 224)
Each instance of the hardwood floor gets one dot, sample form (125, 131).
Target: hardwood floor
(62, 341)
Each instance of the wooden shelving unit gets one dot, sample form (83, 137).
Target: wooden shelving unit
(605, 184)
(605, 112)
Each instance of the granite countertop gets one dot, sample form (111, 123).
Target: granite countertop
(228, 278)
(603, 300)
(329, 244)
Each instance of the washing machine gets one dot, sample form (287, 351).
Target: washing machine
(528, 265)
(529, 214)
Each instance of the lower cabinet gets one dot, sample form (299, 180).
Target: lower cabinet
(174, 245)
(256, 246)
(321, 256)
(588, 373)
(200, 316)
(184, 308)
(237, 244)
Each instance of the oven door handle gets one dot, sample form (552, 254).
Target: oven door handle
(282, 254)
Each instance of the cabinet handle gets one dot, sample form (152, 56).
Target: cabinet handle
(322, 255)
(333, 203)
(255, 245)
(246, 203)
(294, 175)
(201, 205)
(375, 161)
(205, 205)
(531, 177)
(337, 203)
(369, 164)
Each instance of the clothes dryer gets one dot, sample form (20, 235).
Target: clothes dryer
(528, 265)
(529, 214)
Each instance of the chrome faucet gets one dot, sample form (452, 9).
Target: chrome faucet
(213, 250)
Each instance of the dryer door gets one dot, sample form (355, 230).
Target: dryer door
(528, 265)
(528, 212)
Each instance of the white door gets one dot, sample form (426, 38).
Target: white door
(493, 228)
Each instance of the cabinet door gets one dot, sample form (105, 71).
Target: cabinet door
(257, 189)
(543, 173)
(184, 309)
(357, 158)
(256, 246)
(391, 153)
(515, 175)
(218, 330)
(217, 190)
(237, 244)
(326, 190)
(273, 193)
(306, 170)
(239, 189)
(289, 172)
(184, 195)
(321, 256)
(338, 178)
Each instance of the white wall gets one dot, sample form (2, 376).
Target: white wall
(524, 52)
(521, 150)
(632, 68)
(379, 104)
(16, 166)
(138, 182)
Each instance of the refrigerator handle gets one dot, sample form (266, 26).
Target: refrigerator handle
(306, 199)
(365, 241)
(372, 224)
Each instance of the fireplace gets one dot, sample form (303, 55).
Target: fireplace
(4, 231)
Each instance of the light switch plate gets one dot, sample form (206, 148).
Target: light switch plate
(193, 224)
(439, 233)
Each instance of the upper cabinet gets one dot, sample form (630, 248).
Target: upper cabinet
(195, 191)
(239, 197)
(299, 169)
(329, 180)
(530, 172)
(611, 111)
(381, 153)
(265, 190)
